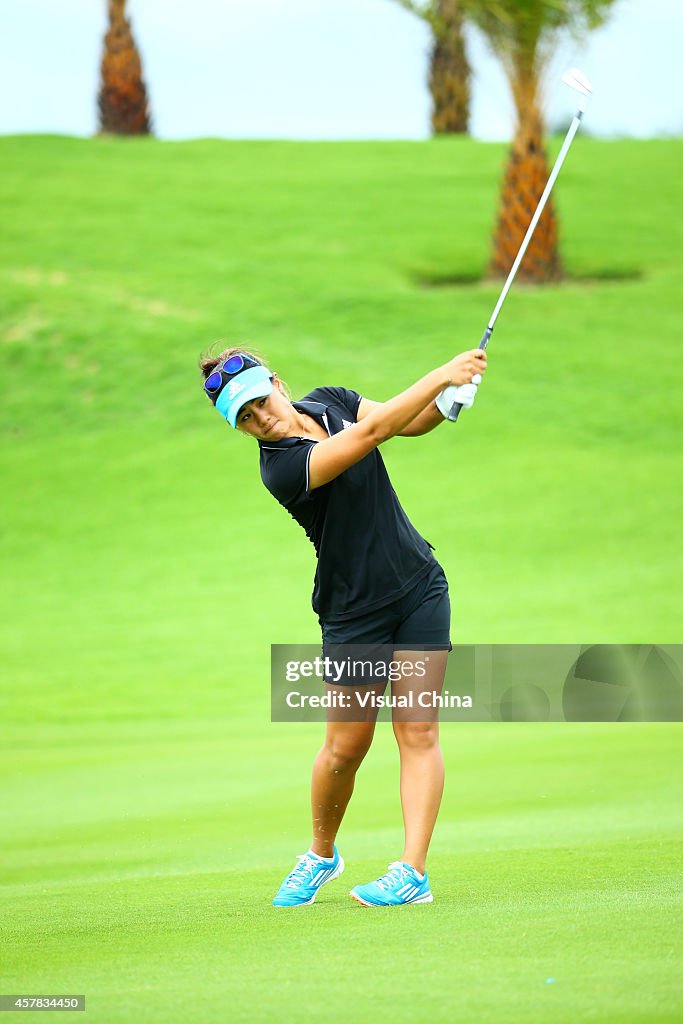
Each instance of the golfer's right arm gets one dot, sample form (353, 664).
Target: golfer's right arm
(331, 457)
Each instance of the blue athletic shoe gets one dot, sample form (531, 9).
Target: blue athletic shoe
(401, 885)
(301, 885)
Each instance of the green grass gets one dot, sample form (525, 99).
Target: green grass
(149, 808)
(143, 858)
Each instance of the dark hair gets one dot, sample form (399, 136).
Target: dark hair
(216, 354)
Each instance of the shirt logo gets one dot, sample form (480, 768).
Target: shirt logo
(346, 423)
(234, 388)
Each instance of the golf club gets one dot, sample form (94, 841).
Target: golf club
(576, 80)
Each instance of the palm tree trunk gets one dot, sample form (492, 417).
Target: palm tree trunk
(449, 80)
(525, 178)
(122, 100)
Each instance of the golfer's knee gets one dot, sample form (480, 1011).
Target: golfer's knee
(343, 755)
(417, 735)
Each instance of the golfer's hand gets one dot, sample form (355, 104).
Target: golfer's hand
(464, 395)
(462, 369)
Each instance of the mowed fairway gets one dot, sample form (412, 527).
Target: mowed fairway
(149, 808)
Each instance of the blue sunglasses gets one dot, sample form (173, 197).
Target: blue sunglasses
(230, 368)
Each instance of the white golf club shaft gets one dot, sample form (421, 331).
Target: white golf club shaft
(569, 138)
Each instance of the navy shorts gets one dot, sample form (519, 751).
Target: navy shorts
(420, 620)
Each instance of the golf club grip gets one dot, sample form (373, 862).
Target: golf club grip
(456, 407)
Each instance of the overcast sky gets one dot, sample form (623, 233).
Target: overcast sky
(316, 69)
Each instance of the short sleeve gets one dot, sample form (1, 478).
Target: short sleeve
(286, 475)
(342, 396)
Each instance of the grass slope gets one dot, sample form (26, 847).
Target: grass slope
(148, 807)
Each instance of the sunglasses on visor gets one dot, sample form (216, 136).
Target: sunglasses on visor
(230, 368)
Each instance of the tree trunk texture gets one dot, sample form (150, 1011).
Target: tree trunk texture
(449, 79)
(525, 178)
(122, 100)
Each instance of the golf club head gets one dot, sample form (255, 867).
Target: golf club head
(575, 79)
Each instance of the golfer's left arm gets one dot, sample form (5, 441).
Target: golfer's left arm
(425, 421)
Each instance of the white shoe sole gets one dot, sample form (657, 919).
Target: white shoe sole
(335, 874)
(427, 898)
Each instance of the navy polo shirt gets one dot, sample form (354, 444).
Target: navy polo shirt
(369, 553)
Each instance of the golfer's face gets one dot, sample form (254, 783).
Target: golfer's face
(266, 418)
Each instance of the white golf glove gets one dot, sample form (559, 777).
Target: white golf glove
(464, 395)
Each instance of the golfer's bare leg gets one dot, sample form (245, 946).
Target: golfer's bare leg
(422, 769)
(334, 774)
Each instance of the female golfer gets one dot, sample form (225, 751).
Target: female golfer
(377, 583)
